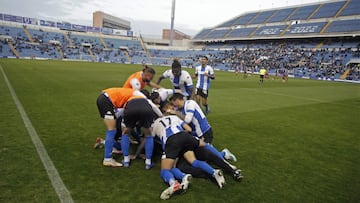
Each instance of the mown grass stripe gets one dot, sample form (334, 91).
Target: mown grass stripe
(56, 181)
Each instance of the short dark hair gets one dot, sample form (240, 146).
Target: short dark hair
(154, 95)
(148, 69)
(177, 96)
(146, 93)
(205, 57)
(176, 64)
(164, 105)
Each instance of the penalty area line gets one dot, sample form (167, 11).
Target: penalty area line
(56, 181)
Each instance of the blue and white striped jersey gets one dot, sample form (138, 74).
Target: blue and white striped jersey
(203, 82)
(167, 126)
(182, 82)
(196, 118)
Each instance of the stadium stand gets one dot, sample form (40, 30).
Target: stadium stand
(352, 8)
(319, 40)
(302, 13)
(305, 28)
(328, 10)
(239, 33)
(269, 30)
(344, 26)
(281, 15)
(216, 34)
(315, 18)
(262, 17)
(202, 34)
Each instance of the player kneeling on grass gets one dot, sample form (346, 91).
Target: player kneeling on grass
(114, 98)
(109, 100)
(100, 142)
(139, 111)
(173, 133)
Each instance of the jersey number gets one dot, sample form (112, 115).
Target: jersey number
(163, 123)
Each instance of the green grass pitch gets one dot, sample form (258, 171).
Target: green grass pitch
(295, 142)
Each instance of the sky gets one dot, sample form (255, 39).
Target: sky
(148, 17)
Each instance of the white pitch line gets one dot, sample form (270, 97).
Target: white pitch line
(56, 181)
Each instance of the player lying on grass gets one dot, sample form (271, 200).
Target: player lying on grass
(203, 154)
(176, 141)
(158, 96)
(192, 114)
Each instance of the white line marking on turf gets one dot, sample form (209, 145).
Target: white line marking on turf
(56, 181)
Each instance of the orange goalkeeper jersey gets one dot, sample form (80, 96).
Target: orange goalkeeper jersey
(118, 96)
(135, 81)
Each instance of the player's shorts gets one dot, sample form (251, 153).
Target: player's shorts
(261, 76)
(138, 111)
(208, 136)
(105, 107)
(202, 93)
(180, 143)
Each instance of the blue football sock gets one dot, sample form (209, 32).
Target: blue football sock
(149, 146)
(222, 154)
(117, 145)
(213, 150)
(203, 166)
(109, 142)
(125, 144)
(167, 176)
(177, 173)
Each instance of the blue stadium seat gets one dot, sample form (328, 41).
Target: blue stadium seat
(281, 15)
(241, 32)
(202, 34)
(217, 34)
(344, 26)
(245, 19)
(353, 8)
(328, 10)
(262, 17)
(303, 12)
